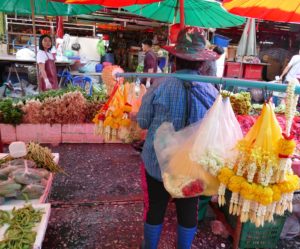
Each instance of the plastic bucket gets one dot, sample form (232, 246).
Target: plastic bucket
(221, 41)
(99, 68)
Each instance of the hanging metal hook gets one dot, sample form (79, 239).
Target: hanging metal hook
(268, 94)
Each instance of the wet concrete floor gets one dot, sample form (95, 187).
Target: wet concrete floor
(99, 204)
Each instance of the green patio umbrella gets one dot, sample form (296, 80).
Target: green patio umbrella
(45, 8)
(202, 13)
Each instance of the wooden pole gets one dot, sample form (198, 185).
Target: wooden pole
(35, 40)
(181, 11)
(1, 144)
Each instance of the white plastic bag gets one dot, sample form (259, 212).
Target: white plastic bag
(216, 137)
(25, 54)
(190, 158)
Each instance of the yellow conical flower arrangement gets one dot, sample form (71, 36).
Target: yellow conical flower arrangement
(261, 181)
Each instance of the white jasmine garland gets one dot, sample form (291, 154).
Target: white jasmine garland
(260, 215)
(245, 211)
(270, 212)
(251, 171)
(221, 195)
(291, 103)
(211, 162)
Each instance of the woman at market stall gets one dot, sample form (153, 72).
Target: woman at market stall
(46, 62)
(166, 100)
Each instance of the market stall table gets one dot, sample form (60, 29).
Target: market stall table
(12, 61)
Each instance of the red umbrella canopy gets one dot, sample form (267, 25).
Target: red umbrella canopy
(271, 10)
(112, 3)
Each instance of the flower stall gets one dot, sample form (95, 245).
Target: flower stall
(66, 115)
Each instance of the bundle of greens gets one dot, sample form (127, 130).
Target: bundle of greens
(43, 157)
(20, 232)
(10, 112)
(241, 103)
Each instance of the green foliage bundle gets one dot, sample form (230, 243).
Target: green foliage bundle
(10, 112)
(241, 103)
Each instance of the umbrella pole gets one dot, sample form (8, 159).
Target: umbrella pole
(34, 36)
(181, 12)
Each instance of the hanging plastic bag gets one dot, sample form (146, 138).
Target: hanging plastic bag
(217, 136)
(76, 45)
(135, 93)
(190, 158)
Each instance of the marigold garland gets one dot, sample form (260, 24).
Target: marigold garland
(261, 181)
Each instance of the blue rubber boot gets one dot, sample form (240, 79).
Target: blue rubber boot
(151, 236)
(185, 237)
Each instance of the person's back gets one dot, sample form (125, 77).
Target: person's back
(181, 103)
(294, 71)
(166, 101)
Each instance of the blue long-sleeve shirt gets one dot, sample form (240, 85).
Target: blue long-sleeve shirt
(165, 101)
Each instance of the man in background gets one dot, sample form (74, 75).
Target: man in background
(292, 70)
(150, 61)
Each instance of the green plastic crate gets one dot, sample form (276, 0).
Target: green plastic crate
(256, 237)
(262, 237)
(202, 206)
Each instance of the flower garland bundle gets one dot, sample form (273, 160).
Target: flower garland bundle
(287, 145)
(261, 180)
(286, 148)
(113, 121)
(255, 192)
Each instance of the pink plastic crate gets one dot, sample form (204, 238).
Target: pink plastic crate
(233, 69)
(296, 167)
(253, 71)
(42, 133)
(80, 133)
(8, 133)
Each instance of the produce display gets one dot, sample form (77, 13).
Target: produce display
(19, 225)
(241, 102)
(280, 109)
(21, 179)
(40, 155)
(10, 112)
(26, 172)
(261, 179)
(64, 106)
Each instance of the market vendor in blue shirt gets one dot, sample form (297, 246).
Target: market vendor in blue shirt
(165, 101)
